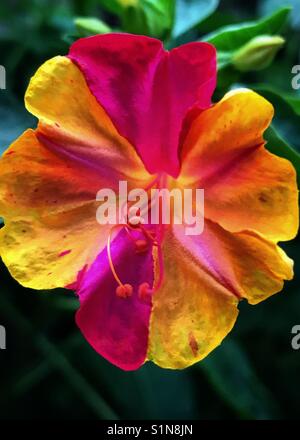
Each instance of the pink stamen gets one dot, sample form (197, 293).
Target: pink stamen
(142, 245)
(111, 264)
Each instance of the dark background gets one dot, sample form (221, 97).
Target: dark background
(48, 371)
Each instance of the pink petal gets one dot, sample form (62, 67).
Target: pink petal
(117, 328)
(146, 90)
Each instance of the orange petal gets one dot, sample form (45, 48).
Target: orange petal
(49, 209)
(246, 187)
(50, 178)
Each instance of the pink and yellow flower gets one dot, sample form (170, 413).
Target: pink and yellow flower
(120, 107)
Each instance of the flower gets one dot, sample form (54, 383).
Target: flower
(120, 107)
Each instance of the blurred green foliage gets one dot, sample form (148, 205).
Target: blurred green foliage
(48, 371)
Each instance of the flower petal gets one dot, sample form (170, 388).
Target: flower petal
(246, 187)
(146, 90)
(192, 312)
(49, 209)
(117, 328)
(50, 178)
(205, 277)
(74, 124)
(245, 263)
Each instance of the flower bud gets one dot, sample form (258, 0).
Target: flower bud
(258, 53)
(91, 26)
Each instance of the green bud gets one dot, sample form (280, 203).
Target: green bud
(258, 53)
(91, 26)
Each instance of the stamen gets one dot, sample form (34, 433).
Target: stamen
(145, 293)
(141, 246)
(153, 238)
(123, 290)
(148, 234)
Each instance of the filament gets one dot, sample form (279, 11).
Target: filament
(111, 264)
(153, 238)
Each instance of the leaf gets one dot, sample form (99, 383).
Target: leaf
(114, 6)
(59, 361)
(266, 6)
(235, 380)
(38, 372)
(189, 13)
(231, 38)
(87, 26)
(147, 17)
(150, 17)
(277, 145)
(290, 98)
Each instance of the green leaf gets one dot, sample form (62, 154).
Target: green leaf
(277, 145)
(86, 26)
(146, 17)
(190, 13)
(235, 380)
(59, 361)
(267, 6)
(293, 102)
(150, 17)
(290, 98)
(224, 59)
(231, 38)
(114, 6)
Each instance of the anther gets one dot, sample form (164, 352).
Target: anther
(141, 246)
(145, 293)
(124, 290)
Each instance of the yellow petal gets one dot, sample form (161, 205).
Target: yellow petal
(49, 180)
(192, 312)
(204, 278)
(72, 118)
(246, 187)
(49, 209)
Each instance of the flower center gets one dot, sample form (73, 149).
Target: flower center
(149, 236)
